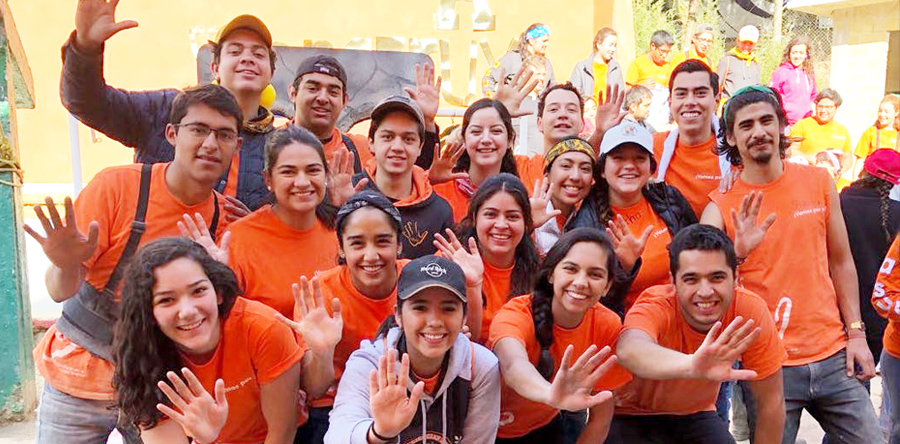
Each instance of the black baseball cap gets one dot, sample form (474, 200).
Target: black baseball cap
(431, 271)
(397, 103)
(323, 64)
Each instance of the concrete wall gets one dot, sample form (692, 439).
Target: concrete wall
(859, 58)
(160, 52)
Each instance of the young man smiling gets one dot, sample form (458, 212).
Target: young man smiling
(680, 341)
(243, 63)
(802, 267)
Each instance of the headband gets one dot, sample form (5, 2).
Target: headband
(746, 90)
(368, 199)
(537, 32)
(566, 146)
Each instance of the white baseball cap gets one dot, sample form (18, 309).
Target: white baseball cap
(748, 33)
(626, 132)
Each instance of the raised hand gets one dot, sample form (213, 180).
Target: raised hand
(512, 94)
(234, 209)
(64, 245)
(320, 331)
(715, 358)
(444, 161)
(469, 260)
(748, 234)
(609, 108)
(201, 416)
(392, 410)
(95, 23)
(427, 92)
(341, 182)
(628, 248)
(197, 231)
(539, 201)
(727, 181)
(572, 387)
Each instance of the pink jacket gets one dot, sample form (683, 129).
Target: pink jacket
(797, 89)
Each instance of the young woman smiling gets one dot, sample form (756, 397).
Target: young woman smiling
(499, 220)
(538, 335)
(640, 217)
(447, 388)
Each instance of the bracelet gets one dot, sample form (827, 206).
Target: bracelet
(856, 334)
(379, 437)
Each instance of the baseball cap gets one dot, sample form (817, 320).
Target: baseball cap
(748, 33)
(704, 27)
(626, 132)
(431, 271)
(323, 64)
(884, 164)
(397, 103)
(249, 22)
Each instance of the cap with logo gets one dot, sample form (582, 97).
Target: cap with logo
(431, 272)
(248, 22)
(398, 103)
(884, 164)
(748, 33)
(323, 64)
(626, 132)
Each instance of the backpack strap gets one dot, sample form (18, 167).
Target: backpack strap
(215, 219)
(138, 226)
(348, 142)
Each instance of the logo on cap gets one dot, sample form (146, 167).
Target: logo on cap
(628, 130)
(434, 270)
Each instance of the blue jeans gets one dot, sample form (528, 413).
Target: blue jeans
(697, 428)
(839, 403)
(890, 373)
(723, 401)
(66, 419)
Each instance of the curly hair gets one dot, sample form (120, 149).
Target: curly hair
(527, 258)
(542, 296)
(883, 188)
(508, 163)
(141, 352)
(744, 97)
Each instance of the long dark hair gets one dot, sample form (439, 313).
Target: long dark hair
(542, 296)
(599, 193)
(282, 137)
(508, 163)
(883, 188)
(749, 96)
(527, 258)
(142, 353)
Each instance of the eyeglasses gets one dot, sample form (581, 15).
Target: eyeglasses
(225, 136)
(826, 107)
(707, 41)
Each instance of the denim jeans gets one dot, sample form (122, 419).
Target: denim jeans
(839, 403)
(698, 428)
(723, 401)
(66, 419)
(890, 372)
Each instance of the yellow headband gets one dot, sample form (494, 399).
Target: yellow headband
(565, 146)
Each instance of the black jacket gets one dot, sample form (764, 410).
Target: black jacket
(666, 201)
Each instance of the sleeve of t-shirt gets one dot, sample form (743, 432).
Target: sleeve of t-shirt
(886, 294)
(797, 130)
(633, 76)
(862, 147)
(273, 347)
(767, 353)
(648, 316)
(513, 321)
(98, 202)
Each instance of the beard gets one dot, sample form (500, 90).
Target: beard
(760, 157)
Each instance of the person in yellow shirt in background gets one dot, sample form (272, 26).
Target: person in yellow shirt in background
(700, 43)
(652, 70)
(883, 134)
(819, 132)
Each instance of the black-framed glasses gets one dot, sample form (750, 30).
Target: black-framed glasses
(201, 131)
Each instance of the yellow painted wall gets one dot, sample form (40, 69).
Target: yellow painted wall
(160, 52)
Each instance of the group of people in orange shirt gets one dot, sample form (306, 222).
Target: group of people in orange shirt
(243, 283)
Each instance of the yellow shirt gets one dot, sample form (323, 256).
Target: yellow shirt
(690, 54)
(887, 139)
(818, 138)
(600, 70)
(643, 68)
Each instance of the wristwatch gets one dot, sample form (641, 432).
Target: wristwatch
(857, 325)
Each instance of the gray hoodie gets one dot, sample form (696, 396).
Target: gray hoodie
(464, 410)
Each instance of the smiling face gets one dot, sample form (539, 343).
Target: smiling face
(244, 65)
(500, 226)
(186, 307)
(702, 42)
(370, 246)
(539, 45)
(825, 110)
(626, 170)
(397, 144)
(756, 133)
(607, 48)
(580, 279)
(431, 320)
(204, 158)
(798, 55)
(745, 47)
(887, 112)
(561, 117)
(486, 138)
(704, 286)
(318, 101)
(693, 101)
(572, 175)
(298, 178)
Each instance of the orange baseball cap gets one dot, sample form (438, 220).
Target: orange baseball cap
(249, 22)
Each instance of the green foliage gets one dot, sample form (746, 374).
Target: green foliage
(652, 15)
(769, 52)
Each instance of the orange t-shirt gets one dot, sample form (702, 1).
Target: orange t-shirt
(362, 316)
(254, 350)
(232, 179)
(268, 256)
(495, 288)
(789, 269)
(600, 327)
(886, 298)
(655, 257)
(694, 170)
(111, 199)
(658, 314)
(359, 141)
(530, 168)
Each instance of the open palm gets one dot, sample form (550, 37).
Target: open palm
(715, 358)
(200, 415)
(95, 22)
(572, 387)
(321, 331)
(392, 409)
(64, 245)
(748, 232)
